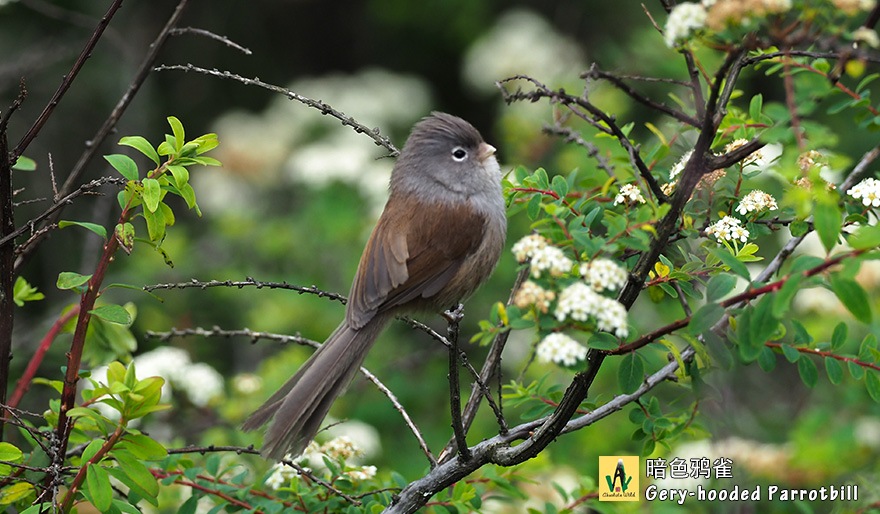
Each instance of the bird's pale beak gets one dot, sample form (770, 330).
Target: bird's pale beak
(485, 151)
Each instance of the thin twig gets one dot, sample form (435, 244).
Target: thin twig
(248, 281)
(454, 317)
(325, 109)
(202, 32)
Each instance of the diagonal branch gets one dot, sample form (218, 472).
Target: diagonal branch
(596, 73)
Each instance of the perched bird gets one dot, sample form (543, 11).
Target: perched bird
(437, 240)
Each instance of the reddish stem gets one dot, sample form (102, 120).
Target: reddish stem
(24, 383)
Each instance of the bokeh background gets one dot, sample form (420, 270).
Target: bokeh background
(298, 194)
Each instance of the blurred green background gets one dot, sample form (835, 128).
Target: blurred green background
(298, 194)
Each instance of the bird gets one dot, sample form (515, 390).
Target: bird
(438, 239)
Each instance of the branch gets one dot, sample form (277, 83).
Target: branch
(325, 109)
(65, 83)
(202, 32)
(454, 317)
(249, 281)
(285, 339)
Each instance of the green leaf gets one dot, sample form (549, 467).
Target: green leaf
(70, 280)
(10, 453)
(137, 471)
(791, 353)
(798, 228)
(719, 286)
(603, 341)
(541, 179)
(24, 164)
(827, 222)
(155, 224)
(135, 486)
(559, 186)
(865, 238)
(767, 359)
(91, 450)
(851, 294)
(763, 324)
(180, 174)
(855, 370)
(873, 385)
(782, 298)
(143, 146)
(533, 207)
(22, 292)
(631, 372)
(839, 335)
(755, 107)
(732, 262)
(113, 313)
(98, 487)
(834, 370)
(97, 229)
(152, 194)
(704, 318)
(17, 492)
(177, 129)
(124, 165)
(808, 372)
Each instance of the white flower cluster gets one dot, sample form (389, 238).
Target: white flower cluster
(867, 36)
(629, 194)
(341, 447)
(679, 166)
(362, 473)
(728, 229)
(604, 274)
(579, 301)
(531, 293)
(684, 19)
(756, 157)
(756, 201)
(560, 349)
(868, 191)
(281, 475)
(198, 381)
(526, 247)
(544, 257)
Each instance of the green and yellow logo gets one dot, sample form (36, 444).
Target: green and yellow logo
(619, 478)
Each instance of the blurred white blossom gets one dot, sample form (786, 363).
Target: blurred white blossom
(685, 18)
(604, 274)
(629, 194)
(756, 201)
(530, 294)
(679, 166)
(560, 349)
(578, 302)
(868, 36)
(362, 473)
(611, 317)
(728, 229)
(756, 158)
(247, 383)
(868, 191)
(551, 260)
(520, 42)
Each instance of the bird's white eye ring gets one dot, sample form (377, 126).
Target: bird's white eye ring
(459, 154)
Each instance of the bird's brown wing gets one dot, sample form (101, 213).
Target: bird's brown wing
(414, 251)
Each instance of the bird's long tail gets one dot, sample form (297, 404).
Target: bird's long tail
(302, 403)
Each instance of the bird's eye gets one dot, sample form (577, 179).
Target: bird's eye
(459, 154)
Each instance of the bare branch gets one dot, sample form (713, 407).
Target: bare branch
(202, 32)
(325, 109)
(249, 281)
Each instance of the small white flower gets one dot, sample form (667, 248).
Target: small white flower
(526, 247)
(679, 166)
(684, 18)
(202, 383)
(611, 317)
(629, 194)
(341, 447)
(530, 294)
(551, 260)
(868, 191)
(756, 157)
(247, 383)
(867, 36)
(728, 229)
(560, 349)
(281, 475)
(604, 275)
(756, 201)
(362, 473)
(578, 302)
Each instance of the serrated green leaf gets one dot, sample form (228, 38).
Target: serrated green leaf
(97, 229)
(851, 295)
(808, 372)
(124, 165)
(719, 286)
(152, 194)
(834, 370)
(143, 146)
(827, 222)
(70, 280)
(631, 372)
(112, 313)
(704, 318)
